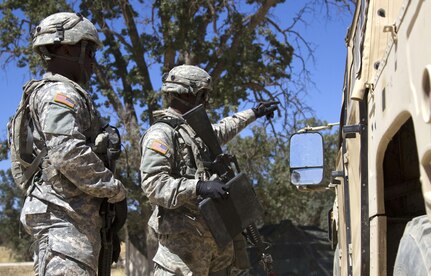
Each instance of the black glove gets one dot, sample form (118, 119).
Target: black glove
(213, 189)
(114, 146)
(265, 109)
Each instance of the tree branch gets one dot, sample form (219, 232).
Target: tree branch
(137, 52)
(250, 25)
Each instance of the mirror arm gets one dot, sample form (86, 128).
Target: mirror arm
(318, 128)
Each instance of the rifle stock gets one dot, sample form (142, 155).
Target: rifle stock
(107, 212)
(113, 214)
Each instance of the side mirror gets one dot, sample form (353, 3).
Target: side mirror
(306, 159)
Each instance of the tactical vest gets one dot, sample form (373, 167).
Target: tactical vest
(25, 159)
(193, 168)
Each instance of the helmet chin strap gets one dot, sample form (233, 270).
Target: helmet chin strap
(185, 103)
(200, 99)
(83, 74)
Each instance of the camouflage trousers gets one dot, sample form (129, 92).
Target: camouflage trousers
(191, 254)
(51, 263)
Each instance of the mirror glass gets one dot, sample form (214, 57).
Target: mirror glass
(306, 158)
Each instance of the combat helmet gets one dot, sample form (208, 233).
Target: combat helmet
(63, 28)
(186, 79)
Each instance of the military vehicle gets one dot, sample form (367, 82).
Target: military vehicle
(380, 222)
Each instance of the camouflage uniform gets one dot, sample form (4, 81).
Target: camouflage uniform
(61, 211)
(171, 165)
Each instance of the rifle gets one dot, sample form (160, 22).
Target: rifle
(228, 218)
(113, 215)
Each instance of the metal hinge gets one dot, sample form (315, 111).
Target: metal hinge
(391, 29)
(334, 180)
(350, 131)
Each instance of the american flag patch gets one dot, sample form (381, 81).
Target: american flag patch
(159, 147)
(61, 98)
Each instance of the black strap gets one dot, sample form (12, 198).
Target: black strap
(29, 89)
(172, 122)
(34, 166)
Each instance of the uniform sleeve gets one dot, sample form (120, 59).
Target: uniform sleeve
(227, 128)
(64, 117)
(157, 163)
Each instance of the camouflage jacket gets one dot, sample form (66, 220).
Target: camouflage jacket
(74, 179)
(172, 164)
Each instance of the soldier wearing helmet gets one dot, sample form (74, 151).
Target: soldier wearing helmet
(175, 179)
(61, 210)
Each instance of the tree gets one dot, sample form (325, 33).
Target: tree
(247, 52)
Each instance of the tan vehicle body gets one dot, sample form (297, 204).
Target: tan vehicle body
(387, 165)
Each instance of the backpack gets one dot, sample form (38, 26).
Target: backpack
(25, 162)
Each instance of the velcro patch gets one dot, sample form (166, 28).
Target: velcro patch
(158, 146)
(63, 99)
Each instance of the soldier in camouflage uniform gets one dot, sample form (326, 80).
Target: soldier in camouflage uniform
(61, 210)
(175, 180)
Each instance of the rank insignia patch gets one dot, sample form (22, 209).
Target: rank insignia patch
(63, 99)
(159, 147)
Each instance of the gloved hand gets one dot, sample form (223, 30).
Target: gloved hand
(120, 195)
(265, 109)
(214, 189)
(116, 248)
(101, 143)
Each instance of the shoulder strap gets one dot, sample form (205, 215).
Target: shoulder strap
(172, 122)
(78, 88)
(34, 166)
(181, 130)
(25, 163)
(28, 89)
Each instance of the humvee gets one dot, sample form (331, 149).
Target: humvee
(380, 221)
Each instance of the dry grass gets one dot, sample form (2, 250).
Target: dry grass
(6, 255)
(26, 269)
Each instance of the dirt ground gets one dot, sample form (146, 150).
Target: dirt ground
(26, 270)
(9, 266)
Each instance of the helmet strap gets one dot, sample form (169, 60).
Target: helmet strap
(46, 56)
(201, 98)
(185, 103)
(84, 74)
(59, 34)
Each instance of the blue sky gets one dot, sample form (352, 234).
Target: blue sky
(327, 36)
